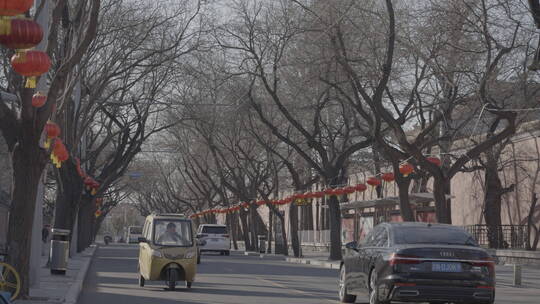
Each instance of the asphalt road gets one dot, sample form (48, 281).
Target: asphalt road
(235, 279)
(239, 279)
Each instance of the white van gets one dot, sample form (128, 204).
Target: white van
(215, 237)
(133, 234)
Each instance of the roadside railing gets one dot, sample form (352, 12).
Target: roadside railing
(501, 237)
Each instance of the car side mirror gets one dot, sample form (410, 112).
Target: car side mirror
(142, 240)
(352, 246)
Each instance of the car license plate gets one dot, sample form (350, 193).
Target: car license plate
(214, 240)
(445, 267)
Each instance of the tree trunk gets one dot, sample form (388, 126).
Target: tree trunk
(335, 229)
(86, 224)
(68, 195)
(27, 170)
(234, 230)
(284, 235)
(492, 210)
(293, 218)
(442, 212)
(405, 209)
(254, 229)
(245, 231)
(270, 231)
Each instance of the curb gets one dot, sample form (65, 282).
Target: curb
(75, 289)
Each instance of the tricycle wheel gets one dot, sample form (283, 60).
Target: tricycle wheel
(188, 284)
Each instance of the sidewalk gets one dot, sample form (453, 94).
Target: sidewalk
(64, 289)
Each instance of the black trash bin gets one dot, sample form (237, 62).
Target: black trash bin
(59, 250)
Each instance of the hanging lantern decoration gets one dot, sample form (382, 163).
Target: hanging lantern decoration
(98, 213)
(25, 34)
(374, 182)
(388, 177)
(329, 192)
(434, 160)
(99, 201)
(349, 190)
(406, 169)
(52, 131)
(360, 188)
(59, 153)
(31, 64)
(38, 100)
(318, 194)
(10, 8)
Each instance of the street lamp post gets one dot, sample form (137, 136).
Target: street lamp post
(535, 11)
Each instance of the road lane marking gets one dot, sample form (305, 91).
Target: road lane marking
(293, 289)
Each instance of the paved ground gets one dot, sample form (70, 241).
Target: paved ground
(240, 279)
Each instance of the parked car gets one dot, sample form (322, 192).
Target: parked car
(214, 238)
(417, 262)
(133, 234)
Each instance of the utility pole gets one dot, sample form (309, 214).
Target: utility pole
(35, 255)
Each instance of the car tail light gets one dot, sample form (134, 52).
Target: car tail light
(486, 262)
(225, 235)
(396, 259)
(486, 287)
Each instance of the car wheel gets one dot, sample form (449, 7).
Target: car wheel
(141, 281)
(199, 258)
(228, 252)
(188, 284)
(344, 297)
(222, 253)
(373, 289)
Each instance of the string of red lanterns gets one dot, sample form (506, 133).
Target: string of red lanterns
(304, 198)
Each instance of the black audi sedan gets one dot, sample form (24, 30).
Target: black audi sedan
(417, 262)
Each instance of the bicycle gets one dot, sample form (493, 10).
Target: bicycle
(10, 280)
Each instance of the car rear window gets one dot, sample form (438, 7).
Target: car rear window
(433, 235)
(214, 230)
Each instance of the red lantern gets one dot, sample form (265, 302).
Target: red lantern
(406, 169)
(25, 34)
(59, 153)
(245, 205)
(349, 190)
(318, 194)
(98, 213)
(31, 64)
(52, 130)
(388, 177)
(360, 187)
(329, 191)
(434, 160)
(373, 181)
(38, 100)
(14, 8)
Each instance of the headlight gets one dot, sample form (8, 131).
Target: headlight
(157, 253)
(190, 255)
